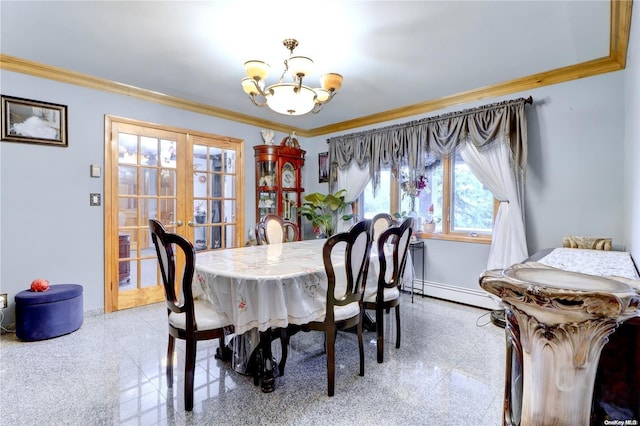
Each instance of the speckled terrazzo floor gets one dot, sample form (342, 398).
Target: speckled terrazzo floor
(448, 371)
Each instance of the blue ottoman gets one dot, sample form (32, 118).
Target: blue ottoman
(52, 313)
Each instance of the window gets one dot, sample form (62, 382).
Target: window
(381, 202)
(472, 204)
(462, 208)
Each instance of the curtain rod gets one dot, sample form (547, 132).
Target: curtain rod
(528, 100)
(510, 102)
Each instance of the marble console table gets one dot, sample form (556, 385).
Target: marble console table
(557, 323)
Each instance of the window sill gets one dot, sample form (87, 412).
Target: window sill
(480, 239)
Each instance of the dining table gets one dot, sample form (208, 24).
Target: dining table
(270, 287)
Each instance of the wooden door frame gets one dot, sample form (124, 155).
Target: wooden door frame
(111, 244)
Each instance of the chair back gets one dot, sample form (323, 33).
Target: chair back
(380, 222)
(272, 229)
(593, 243)
(165, 243)
(390, 274)
(356, 264)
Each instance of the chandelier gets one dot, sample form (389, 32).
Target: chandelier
(292, 98)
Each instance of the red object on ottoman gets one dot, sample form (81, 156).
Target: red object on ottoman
(39, 285)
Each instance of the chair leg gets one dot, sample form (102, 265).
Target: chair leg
(361, 347)
(331, 360)
(221, 348)
(397, 326)
(189, 372)
(380, 333)
(170, 347)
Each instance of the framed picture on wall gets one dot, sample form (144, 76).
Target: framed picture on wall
(28, 121)
(323, 167)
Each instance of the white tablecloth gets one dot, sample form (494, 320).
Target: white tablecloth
(592, 262)
(271, 285)
(264, 286)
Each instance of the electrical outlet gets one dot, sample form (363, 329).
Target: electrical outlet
(3, 300)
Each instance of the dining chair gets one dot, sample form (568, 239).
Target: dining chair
(593, 243)
(344, 310)
(272, 229)
(390, 274)
(190, 319)
(379, 223)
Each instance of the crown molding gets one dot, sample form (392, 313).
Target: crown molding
(616, 61)
(12, 63)
(618, 44)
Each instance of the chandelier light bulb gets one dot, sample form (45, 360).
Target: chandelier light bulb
(257, 70)
(322, 95)
(331, 82)
(300, 66)
(249, 87)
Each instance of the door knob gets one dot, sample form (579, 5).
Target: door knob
(177, 223)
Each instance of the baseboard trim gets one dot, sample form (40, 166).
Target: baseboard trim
(456, 294)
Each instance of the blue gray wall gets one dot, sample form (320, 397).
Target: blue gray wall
(582, 179)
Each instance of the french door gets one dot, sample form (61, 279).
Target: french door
(192, 183)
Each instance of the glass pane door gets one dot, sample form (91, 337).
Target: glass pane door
(147, 187)
(191, 184)
(215, 209)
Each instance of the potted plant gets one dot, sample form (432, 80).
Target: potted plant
(429, 225)
(323, 210)
(401, 216)
(430, 221)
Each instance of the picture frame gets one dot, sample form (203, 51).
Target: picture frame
(323, 167)
(36, 122)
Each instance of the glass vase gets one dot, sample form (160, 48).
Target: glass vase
(413, 214)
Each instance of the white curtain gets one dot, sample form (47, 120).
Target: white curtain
(492, 167)
(353, 179)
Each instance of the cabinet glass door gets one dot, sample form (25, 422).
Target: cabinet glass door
(266, 177)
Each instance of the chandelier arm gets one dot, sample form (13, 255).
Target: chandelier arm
(284, 72)
(259, 89)
(255, 102)
(316, 108)
(333, 93)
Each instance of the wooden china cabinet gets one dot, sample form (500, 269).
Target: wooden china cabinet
(279, 180)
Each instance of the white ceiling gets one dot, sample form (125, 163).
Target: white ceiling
(392, 54)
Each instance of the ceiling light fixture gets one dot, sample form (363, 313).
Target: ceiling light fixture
(289, 98)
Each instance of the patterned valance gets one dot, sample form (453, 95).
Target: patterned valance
(408, 143)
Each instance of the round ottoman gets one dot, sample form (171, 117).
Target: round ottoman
(52, 313)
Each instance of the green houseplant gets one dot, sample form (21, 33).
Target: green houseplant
(323, 210)
(401, 216)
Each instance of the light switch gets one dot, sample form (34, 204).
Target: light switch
(95, 170)
(94, 199)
